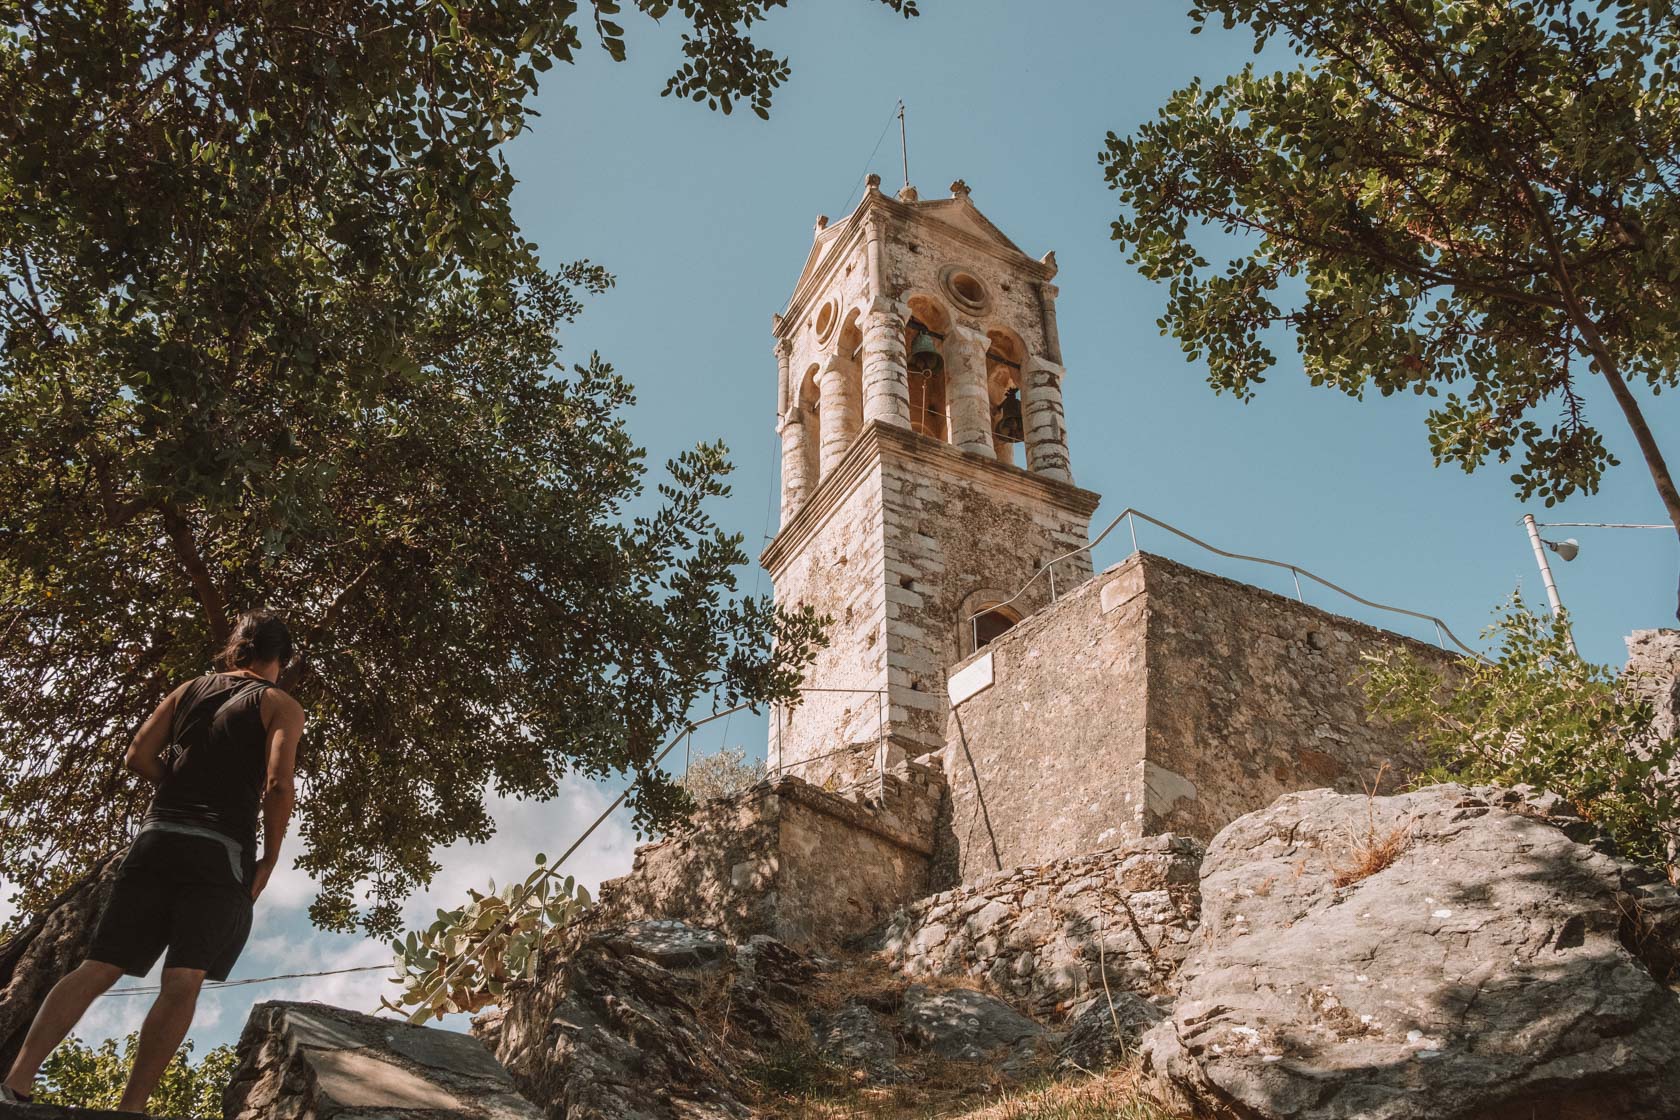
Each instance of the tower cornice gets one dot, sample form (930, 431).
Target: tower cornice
(876, 442)
(841, 238)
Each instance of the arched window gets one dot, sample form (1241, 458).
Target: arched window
(849, 347)
(992, 625)
(810, 400)
(983, 620)
(924, 347)
(1005, 355)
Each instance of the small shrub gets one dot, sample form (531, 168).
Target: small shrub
(724, 774)
(1374, 848)
(465, 960)
(82, 1076)
(1538, 714)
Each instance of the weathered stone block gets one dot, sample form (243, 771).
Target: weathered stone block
(308, 1061)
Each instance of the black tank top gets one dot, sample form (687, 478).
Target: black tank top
(217, 761)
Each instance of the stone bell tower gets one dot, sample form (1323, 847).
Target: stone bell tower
(925, 475)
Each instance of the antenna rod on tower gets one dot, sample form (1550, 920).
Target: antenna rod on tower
(903, 143)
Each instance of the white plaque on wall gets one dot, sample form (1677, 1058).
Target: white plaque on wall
(974, 677)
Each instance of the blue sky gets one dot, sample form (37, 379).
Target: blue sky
(706, 220)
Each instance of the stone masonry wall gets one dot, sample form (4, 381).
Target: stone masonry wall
(895, 547)
(791, 860)
(1252, 695)
(956, 525)
(1158, 698)
(1047, 936)
(838, 571)
(1048, 761)
(1654, 668)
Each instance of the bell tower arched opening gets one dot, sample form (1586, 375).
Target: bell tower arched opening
(924, 343)
(810, 411)
(1005, 356)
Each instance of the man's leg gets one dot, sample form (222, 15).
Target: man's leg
(161, 1034)
(60, 1012)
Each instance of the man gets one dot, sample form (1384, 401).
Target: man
(218, 747)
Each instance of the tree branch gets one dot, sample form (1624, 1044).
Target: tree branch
(204, 587)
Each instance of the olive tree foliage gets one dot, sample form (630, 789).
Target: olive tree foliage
(1536, 713)
(1473, 200)
(270, 335)
(466, 958)
(726, 773)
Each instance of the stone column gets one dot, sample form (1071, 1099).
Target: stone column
(886, 384)
(1041, 411)
(965, 391)
(783, 349)
(796, 487)
(839, 408)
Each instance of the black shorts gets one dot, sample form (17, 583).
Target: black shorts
(179, 892)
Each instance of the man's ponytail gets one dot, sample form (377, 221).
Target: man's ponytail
(257, 636)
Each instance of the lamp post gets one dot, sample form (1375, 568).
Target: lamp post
(1568, 549)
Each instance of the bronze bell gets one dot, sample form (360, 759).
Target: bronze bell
(924, 354)
(1006, 417)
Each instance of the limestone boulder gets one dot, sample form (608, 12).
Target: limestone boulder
(856, 1039)
(965, 1025)
(1109, 1027)
(669, 944)
(308, 1061)
(1053, 936)
(610, 1033)
(1448, 953)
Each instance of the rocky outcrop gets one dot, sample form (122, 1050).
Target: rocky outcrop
(1653, 670)
(621, 1028)
(308, 1061)
(1110, 1027)
(10, 1111)
(968, 1025)
(855, 1038)
(1047, 936)
(56, 941)
(613, 1034)
(1450, 954)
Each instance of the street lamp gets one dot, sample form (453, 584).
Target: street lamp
(1567, 550)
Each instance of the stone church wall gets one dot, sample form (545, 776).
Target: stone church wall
(1157, 698)
(838, 573)
(955, 526)
(790, 860)
(907, 538)
(1048, 761)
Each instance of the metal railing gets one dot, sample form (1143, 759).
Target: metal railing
(1048, 570)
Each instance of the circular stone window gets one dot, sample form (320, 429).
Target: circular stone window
(966, 289)
(826, 318)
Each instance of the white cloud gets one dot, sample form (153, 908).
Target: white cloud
(284, 942)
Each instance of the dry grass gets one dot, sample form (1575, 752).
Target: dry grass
(948, 1094)
(1375, 848)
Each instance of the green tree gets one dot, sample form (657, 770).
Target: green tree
(1475, 196)
(81, 1076)
(269, 334)
(1538, 714)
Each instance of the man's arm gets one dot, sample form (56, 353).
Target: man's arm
(284, 724)
(145, 752)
